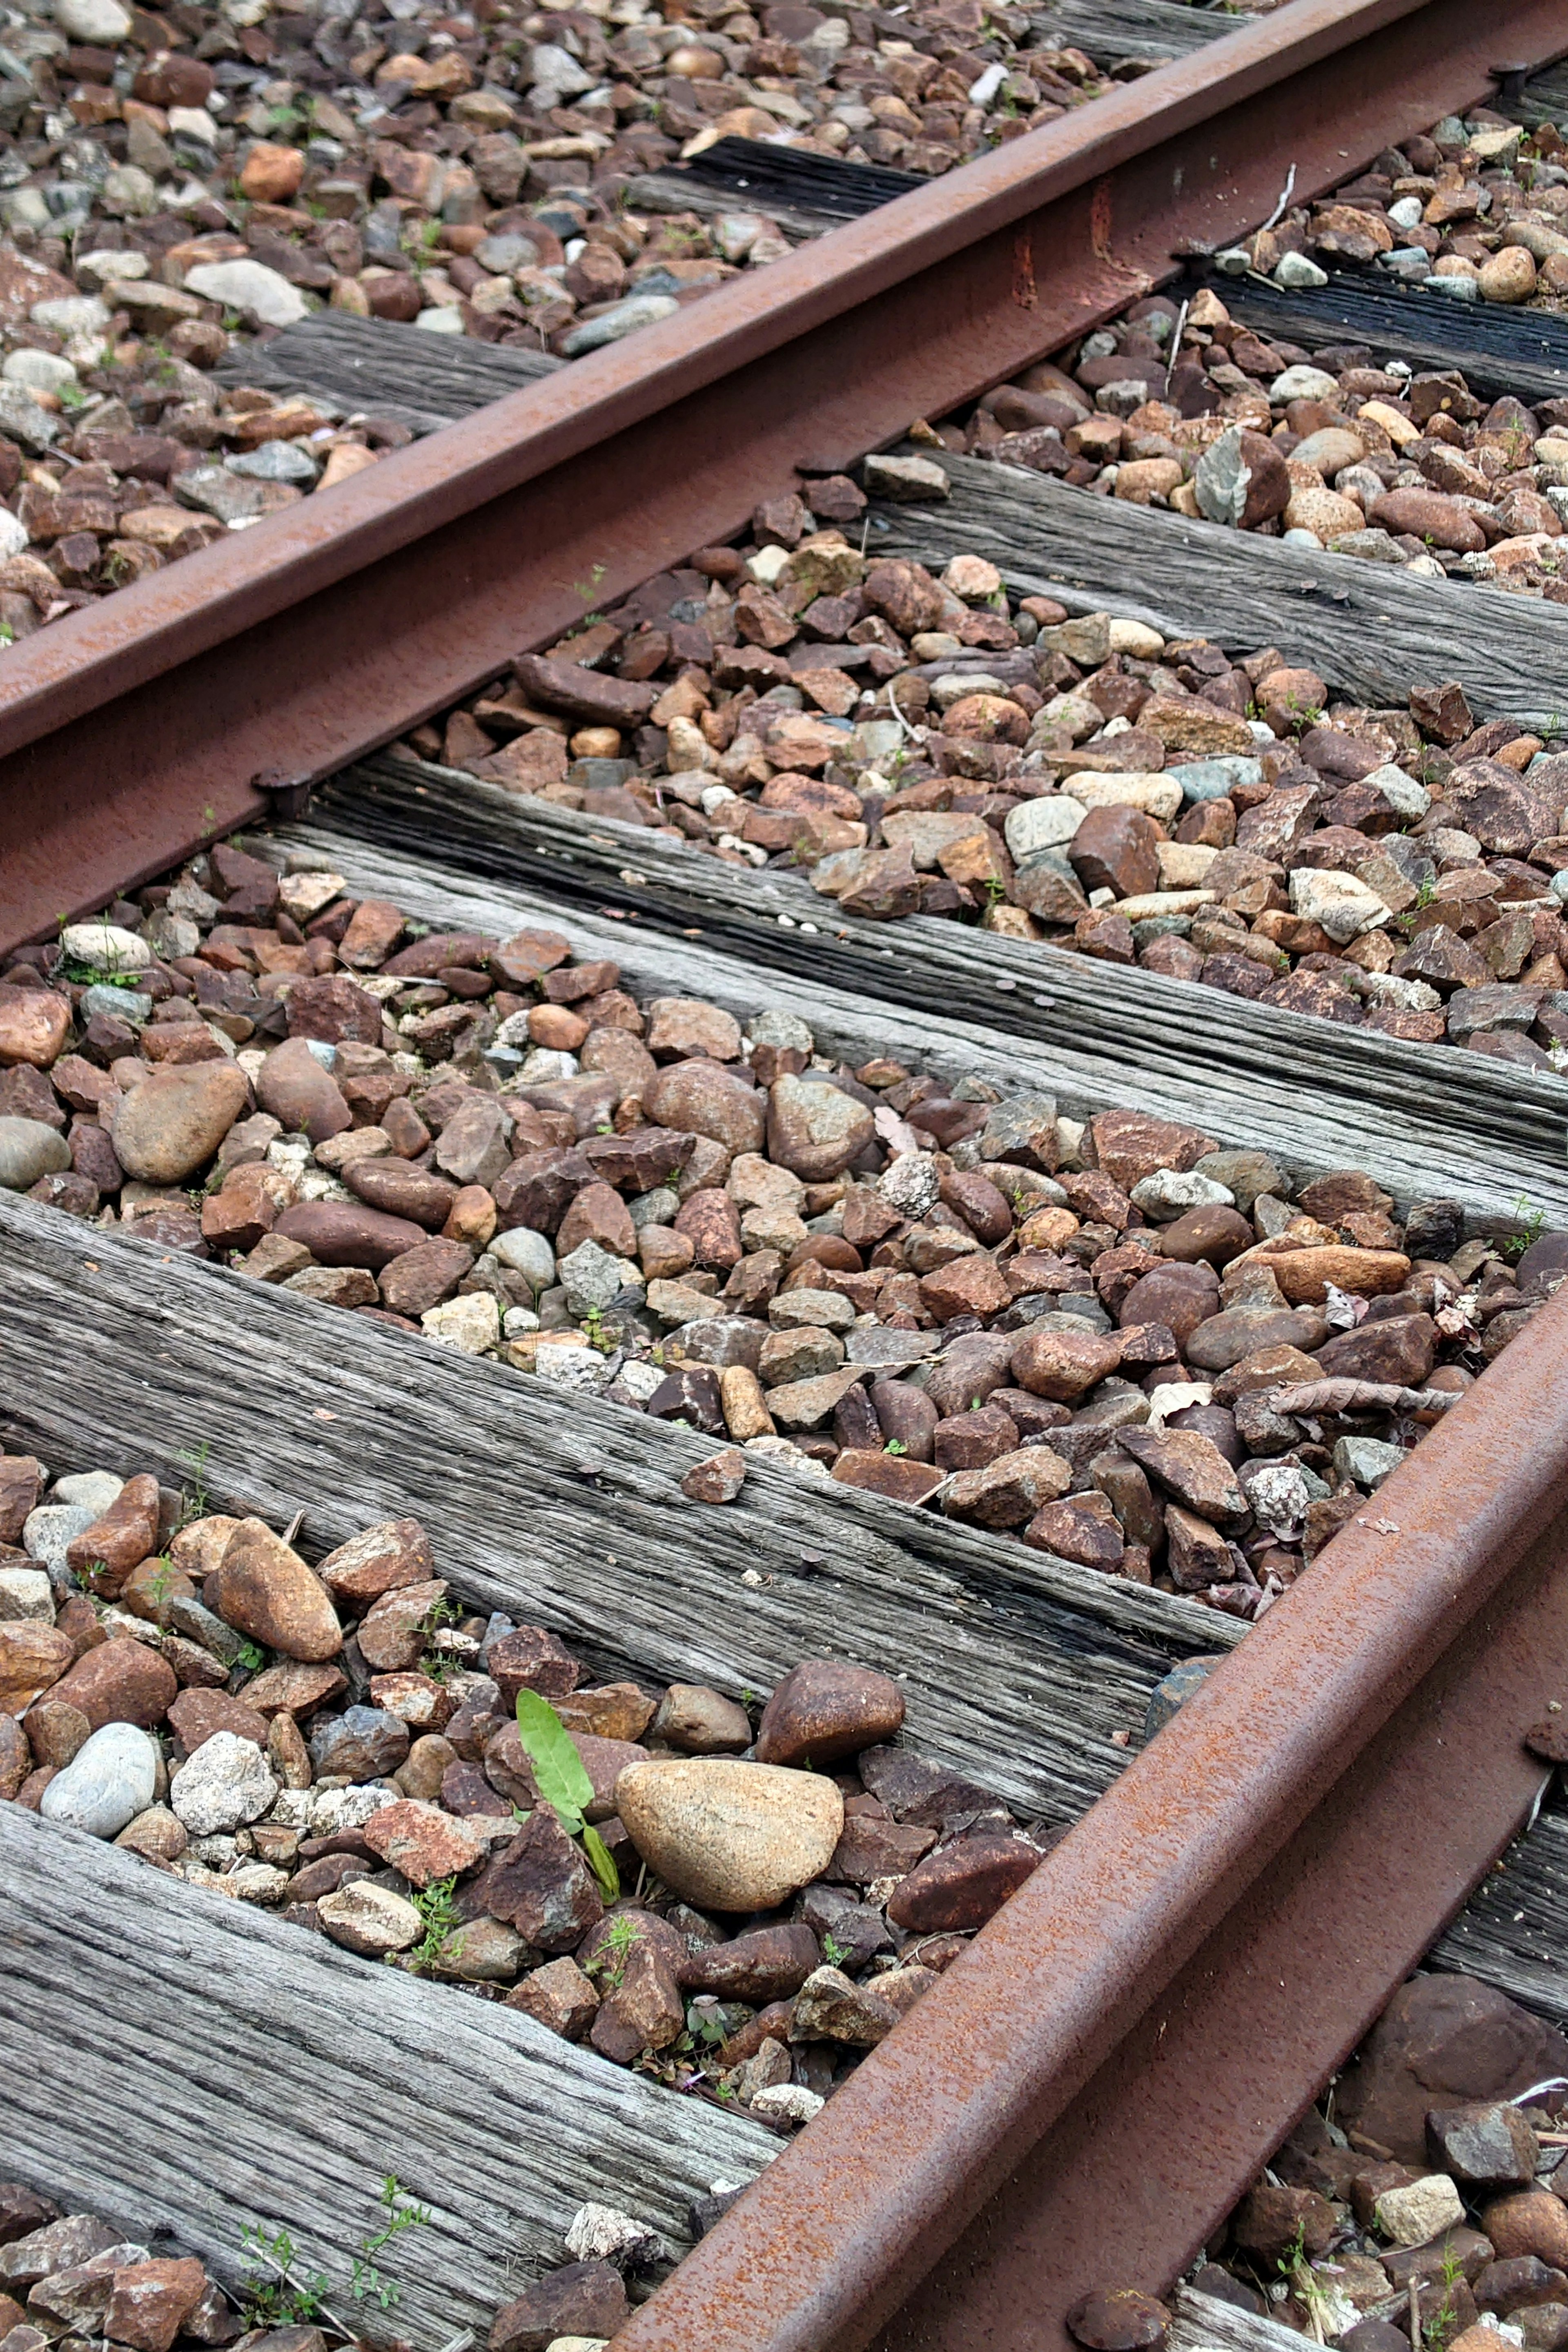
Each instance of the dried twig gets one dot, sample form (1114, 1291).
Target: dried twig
(1358, 1396)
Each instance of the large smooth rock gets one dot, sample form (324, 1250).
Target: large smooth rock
(265, 1591)
(171, 1125)
(1443, 2040)
(111, 1779)
(816, 1129)
(29, 1149)
(730, 1836)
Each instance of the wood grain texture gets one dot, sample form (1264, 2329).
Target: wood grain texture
(1514, 1930)
(1498, 348)
(1368, 629)
(1106, 30)
(567, 1512)
(1428, 1122)
(1203, 2324)
(385, 368)
(183, 2065)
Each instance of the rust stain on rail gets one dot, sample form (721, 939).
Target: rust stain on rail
(1084, 2093)
(128, 730)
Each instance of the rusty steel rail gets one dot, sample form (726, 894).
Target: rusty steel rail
(1091, 2087)
(135, 728)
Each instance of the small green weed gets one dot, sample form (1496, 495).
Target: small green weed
(436, 1908)
(1531, 1223)
(563, 1781)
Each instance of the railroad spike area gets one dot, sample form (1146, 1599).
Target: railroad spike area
(783, 1446)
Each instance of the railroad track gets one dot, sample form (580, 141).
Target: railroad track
(1084, 2097)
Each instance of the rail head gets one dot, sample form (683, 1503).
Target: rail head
(839, 2231)
(125, 640)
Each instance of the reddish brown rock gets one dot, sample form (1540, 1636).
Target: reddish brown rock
(151, 2301)
(34, 1025)
(582, 2299)
(421, 1277)
(196, 1714)
(1442, 2040)
(540, 1885)
(266, 1591)
(1062, 1366)
(33, 1657)
(21, 1483)
(380, 1559)
(396, 1188)
(1129, 1145)
(105, 1553)
(392, 1633)
(769, 1964)
(963, 1884)
(341, 1233)
(119, 1682)
(533, 1659)
(558, 1996)
(424, 1842)
(823, 1711)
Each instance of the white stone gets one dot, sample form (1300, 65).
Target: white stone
(788, 2103)
(603, 2233)
(1425, 2209)
(624, 319)
(470, 1324)
(111, 1779)
(105, 947)
(1150, 903)
(248, 286)
(71, 314)
(904, 479)
(788, 1457)
(97, 1489)
(911, 1184)
(1158, 795)
(442, 319)
(1344, 906)
(370, 1920)
(1400, 791)
(526, 1253)
(1304, 383)
(570, 1365)
(39, 370)
(1168, 1194)
(12, 535)
(49, 1528)
(98, 23)
(224, 1785)
(1137, 638)
(593, 1276)
(1295, 271)
(1046, 823)
(1183, 864)
(26, 1592)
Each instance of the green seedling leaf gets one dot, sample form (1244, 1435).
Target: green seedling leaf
(601, 1863)
(558, 1770)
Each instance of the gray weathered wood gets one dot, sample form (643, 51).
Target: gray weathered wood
(1544, 98)
(1428, 1121)
(1369, 628)
(1514, 1930)
(1498, 348)
(1203, 2324)
(1106, 30)
(383, 369)
(682, 192)
(567, 1511)
(181, 2063)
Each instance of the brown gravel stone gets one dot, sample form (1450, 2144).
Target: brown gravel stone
(119, 1682)
(823, 1711)
(266, 1591)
